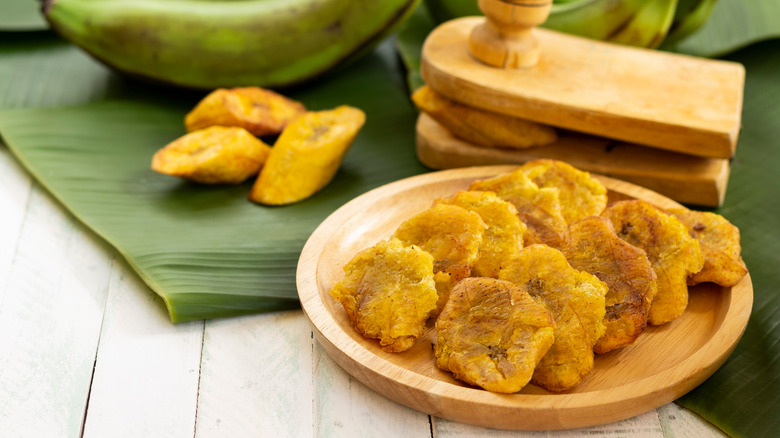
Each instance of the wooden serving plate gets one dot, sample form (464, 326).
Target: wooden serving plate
(665, 363)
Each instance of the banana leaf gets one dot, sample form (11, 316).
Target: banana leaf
(734, 24)
(21, 15)
(207, 251)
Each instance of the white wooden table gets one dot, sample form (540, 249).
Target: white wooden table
(86, 348)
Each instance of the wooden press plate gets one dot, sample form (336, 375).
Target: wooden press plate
(669, 101)
(665, 363)
(684, 178)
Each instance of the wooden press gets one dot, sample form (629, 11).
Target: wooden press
(666, 121)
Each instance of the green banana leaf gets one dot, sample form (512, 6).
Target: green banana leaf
(207, 251)
(734, 24)
(21, 15)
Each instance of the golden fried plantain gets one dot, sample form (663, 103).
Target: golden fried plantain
(539, 209)
(594, 247)
(307, 155)
(503, 238)
(480, 127)
(216, 155)
(259, 111)
(719, 242)
(492, 334)
(388, 293)
(452, 235)
(580, 194)
(576, 301)
(672, 252)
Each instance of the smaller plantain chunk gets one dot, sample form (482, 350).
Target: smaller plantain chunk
(259, 111)
(388, 293)
(480, 127)
(492, 334)
(215, 155)
(307, 155)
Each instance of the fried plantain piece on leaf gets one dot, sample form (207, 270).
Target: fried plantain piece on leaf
(215, 155)
(672, 252)
(594, 247)
(492, 334)
(259, 111)
(452, 235)
(388, 293)
(576, 301)
(539, 209)
(503, 238)
(480, 127)
(307, 155)
(580, 194)
(719, 242)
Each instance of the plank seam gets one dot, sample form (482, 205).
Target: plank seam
(18, 240)
(200, 373)
(97, 349)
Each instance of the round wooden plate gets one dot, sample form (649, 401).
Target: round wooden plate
(665, 363)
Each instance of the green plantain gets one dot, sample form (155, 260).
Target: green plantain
(210, 44)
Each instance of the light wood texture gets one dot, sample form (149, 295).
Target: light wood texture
(142, 353)
(506, 39)
(684, 178)
(653, 98)
(666, 362)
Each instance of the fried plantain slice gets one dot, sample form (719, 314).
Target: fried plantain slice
(580, 194)
(480, 127)
(503, 237)
(452, 235)
(672, 252)
(719, 242)
(576, 301)
(594, 247)
(539, 209)
(259, 111)
(388, 293)
(307, 155)
(215, 155)
(492, 334)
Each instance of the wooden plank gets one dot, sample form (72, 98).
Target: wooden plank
(50, 322)
(646, 425)
(16, 186)
(256, 377)
(685, 178)
(344, 407)
(146, 372)
(659, 99)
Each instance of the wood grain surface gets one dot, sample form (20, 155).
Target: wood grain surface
(666, 362)
(664, 100)
(684, 178)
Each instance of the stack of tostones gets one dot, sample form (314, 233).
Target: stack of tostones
(452, 235)
(672, 252)
(388, 293)
(719, 242)
(590, 280)
(594, 247)
(492, 334)
(539, 209)
(503, 238)
(576, 301)
(580, 194)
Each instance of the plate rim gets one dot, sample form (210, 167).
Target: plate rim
(440, 397)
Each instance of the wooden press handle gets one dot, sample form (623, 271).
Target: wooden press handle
(506, 37)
